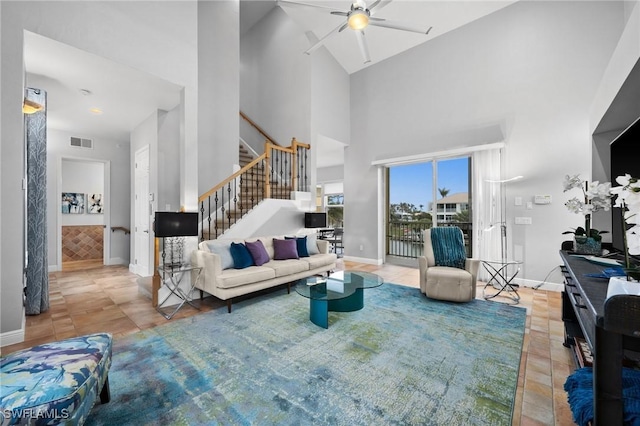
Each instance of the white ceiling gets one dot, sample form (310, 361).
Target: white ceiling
(126, 96)
(443, 16)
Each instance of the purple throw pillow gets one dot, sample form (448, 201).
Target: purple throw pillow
(285, 249)
(258, 252)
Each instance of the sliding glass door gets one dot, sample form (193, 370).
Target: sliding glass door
(423, 195)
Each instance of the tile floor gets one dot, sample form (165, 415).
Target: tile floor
(108, 299)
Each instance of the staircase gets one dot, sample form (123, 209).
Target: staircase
(274, 174)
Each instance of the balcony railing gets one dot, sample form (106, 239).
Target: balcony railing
(404, 238)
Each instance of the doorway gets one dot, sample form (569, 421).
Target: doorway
(421, 196)
(83, 218)
(142, 260)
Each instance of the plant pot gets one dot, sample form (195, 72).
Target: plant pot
(587, 246)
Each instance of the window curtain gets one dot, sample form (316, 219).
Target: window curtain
(37, 277)
(487, 216)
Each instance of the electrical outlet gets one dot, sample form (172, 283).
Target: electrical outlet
(523, 221)
(518, 201)
(361, 247)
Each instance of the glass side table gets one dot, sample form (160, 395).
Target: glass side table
(502, 273)
(172, 276)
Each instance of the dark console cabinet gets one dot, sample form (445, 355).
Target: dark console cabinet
(610, 328)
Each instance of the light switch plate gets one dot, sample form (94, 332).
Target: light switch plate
(523, 221)
(542, 199)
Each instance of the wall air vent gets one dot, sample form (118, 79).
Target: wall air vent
(81, 143)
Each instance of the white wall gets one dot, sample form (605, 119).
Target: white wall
(218, 91)
(168, 164)
(159, 38)
(275, 75)
(117, 202)
(85, 178)
(529, 71)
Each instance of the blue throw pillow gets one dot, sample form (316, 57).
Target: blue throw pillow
(241, 256)
(301, 245)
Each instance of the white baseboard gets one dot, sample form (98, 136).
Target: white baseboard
(133, 269)
(364, 260)
(536, 284)
(53, 268)
(118, 261)
(14, 336)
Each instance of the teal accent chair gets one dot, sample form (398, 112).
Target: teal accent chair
(446, 282)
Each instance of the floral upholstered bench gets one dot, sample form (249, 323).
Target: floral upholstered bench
(56, 382)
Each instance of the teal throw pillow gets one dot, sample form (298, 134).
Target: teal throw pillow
(241, 256)
(301, 245)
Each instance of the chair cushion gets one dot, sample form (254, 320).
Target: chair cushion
(448, 246)
(60, 378)
(447, 283)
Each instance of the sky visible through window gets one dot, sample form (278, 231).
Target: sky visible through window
(412, 183)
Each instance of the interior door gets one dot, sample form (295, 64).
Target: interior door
(142, 213)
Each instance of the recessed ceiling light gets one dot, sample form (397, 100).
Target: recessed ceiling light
(96, 111)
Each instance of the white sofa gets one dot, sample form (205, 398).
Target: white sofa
(225, 282)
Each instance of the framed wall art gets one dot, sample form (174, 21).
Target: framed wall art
(95, 204)
(72, 203)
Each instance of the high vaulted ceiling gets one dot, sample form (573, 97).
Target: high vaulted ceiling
(383, 43)
(127, 96)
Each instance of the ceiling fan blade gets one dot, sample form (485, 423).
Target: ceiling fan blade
(377, 5)
(377, 22)
(362, 42)
(339, 13)
(321, 41)
(300, 4)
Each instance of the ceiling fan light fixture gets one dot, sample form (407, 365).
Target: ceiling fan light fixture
(358, 19)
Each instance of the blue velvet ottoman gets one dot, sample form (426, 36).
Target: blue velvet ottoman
(55, 383)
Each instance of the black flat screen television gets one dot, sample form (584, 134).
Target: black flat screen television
(315, 220)
(176, 224)
(624, 160)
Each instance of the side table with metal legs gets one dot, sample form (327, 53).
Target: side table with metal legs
(172, 277)
(501, 279)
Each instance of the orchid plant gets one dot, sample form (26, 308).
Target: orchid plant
(628, 199)
(596, 196)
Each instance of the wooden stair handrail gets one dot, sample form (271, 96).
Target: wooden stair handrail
(230, 178)
(258, 128)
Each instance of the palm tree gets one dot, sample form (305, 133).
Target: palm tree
(443, 192)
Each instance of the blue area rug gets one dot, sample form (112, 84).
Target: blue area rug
(403, 359)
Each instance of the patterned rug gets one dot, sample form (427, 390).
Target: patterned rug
(403, 359)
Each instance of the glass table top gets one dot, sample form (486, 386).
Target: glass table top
(338, 285)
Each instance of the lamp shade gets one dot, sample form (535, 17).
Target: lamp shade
(176, 224)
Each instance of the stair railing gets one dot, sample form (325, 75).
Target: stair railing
(274, 174)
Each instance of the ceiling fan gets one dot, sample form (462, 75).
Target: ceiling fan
(358, 17)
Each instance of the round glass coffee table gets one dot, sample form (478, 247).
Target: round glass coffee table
(342, 291)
